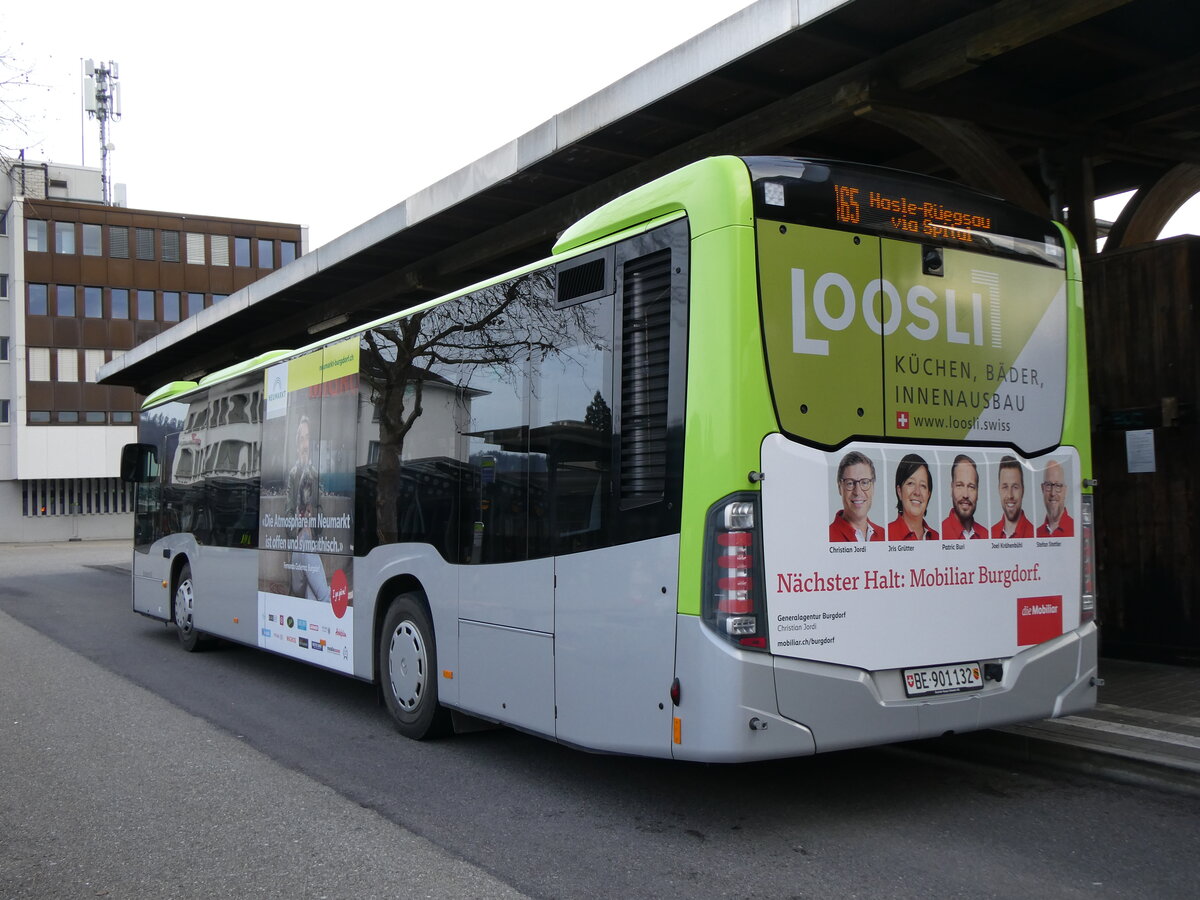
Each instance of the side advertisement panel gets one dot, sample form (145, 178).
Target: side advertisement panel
(305, 578)
(887, 557)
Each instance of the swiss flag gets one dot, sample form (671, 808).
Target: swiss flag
(902, 420)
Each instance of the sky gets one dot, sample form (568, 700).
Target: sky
(319, 114)
(325, 114)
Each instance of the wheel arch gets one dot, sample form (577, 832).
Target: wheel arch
(177, 563)
(388, 592)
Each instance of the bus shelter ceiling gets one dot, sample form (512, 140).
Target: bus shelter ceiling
(1049, 103)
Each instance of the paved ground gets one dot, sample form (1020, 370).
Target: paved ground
(165, 801)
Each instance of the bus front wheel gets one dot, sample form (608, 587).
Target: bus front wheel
(183, 608)
(408, 670)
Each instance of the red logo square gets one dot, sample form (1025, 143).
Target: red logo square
(1038, 619)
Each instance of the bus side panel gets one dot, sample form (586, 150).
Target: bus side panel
(506, 663)
(151, 569)
(226, 600)
(727, 709)
(615, 630)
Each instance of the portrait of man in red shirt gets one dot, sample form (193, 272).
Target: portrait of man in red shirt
(1058, 521)
(1013, 523)
(856, 486)
(964, 499)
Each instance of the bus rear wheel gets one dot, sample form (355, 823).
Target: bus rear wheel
(182, 609)
(408, 670)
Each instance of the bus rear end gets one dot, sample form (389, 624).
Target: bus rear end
(913, 557)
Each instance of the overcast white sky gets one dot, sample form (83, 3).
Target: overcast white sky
(324, 114)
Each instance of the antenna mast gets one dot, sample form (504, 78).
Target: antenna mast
(102, 100)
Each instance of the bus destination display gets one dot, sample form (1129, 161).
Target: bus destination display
(927, 218)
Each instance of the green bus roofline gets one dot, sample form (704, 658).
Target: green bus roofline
(167, 391)
(715, 192)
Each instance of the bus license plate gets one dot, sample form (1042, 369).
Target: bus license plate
(943, 679)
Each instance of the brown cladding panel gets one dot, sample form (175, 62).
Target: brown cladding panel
(39, 332)
(121, 331)
(67, 331)
(39, 395)
(68, 396)
(96, 333)
(64, 269)
(38, 268)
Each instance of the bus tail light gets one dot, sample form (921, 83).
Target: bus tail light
(733, 601)
(1087, 534)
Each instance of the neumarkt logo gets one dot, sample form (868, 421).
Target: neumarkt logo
(277, 389)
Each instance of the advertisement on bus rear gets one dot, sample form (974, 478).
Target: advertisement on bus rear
(306, 531)
(889, 556)
(921, 342)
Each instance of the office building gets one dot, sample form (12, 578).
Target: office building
(79, 282)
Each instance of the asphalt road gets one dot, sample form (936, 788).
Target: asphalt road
(129, 768)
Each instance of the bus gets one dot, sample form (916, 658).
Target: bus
(771, 456)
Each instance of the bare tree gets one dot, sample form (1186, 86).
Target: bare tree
(15, 85)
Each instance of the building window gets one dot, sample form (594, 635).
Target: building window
(287, 252)
(92, 361)
(195, 303)
(195, 248)
(266, 254)
(219, 243)
(145, 306)
(92, 417)
(217, 298)
(122, 418)
(118, 299)
(170, 306)
(145, 242)
(170, 246)
(92, 240)
(3, 412)
(37, 299)
(93, 305)
(64, 300)
(66, 417)
(39, 363)
(3, 349)
(68, 364)
(118, 241)
(64, 237)
(35, 236)
(241, 251)
(3, 287)
(3, 221)
(39, 417)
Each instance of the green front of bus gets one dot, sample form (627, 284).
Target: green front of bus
(888, 489)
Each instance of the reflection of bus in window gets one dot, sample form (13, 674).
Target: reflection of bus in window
(637, 497)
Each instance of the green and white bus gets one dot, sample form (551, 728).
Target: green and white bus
(772, 456)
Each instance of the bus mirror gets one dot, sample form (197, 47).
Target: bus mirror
(139, 462)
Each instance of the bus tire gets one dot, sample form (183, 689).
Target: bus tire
(182, 610)
(408, 670)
